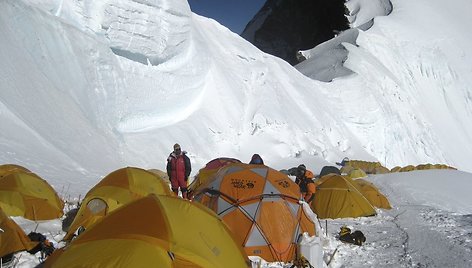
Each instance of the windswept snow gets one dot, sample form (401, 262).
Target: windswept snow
(87, 87)
(363, 12)
(326, 61)
(408, 100)
(216, 95)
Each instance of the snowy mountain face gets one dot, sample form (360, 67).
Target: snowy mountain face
(91, 86)
(326, 61)
(283, 27)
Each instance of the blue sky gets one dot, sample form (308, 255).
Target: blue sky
(234, 14)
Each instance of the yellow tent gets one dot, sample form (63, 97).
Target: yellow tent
(367, 167)
(12, 237)
(261, 207)
(407, 168)
(337, 197)
(27, 195)
(155, 231)
(396, 169)
(372, 194)
(357, 173)
(346, 169)
(424, 166)
(11, 168)
(116, 189)
(163, 175)
(381, 170)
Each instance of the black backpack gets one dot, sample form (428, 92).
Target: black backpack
(356, 238)
(44, 246)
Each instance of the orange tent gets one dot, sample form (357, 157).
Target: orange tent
(260, 206)
(27, 195)
(115, 190)
(209, 170)
(154, 231)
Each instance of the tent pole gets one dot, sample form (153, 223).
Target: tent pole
(326, 227)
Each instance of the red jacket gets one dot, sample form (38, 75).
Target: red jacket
(178, 166)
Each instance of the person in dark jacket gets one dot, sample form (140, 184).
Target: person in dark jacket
(256, 160)
(304, 179)
(178, 170)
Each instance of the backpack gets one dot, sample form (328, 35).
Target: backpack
(44, 246)
(356, 238)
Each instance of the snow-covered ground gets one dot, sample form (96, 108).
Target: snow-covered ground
(87, 87)
(430, 224)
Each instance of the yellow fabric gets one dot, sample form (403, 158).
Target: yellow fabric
(357, 173)
(381, 170)
(117, 189)
(424, 166)
(396, 169)
(163, 175)
(337, 197)
(367, 167)
(113, 253)
(372, 194)
(346, 169)
(407, 168)
(12, 238)
(11, 168)
(202, 176)
(27, 195)
(147, 232)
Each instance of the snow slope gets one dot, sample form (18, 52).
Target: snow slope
(78, 98)
(96, 86)
(409, 99)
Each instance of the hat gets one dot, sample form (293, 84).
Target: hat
(302, 167)
(176, 146)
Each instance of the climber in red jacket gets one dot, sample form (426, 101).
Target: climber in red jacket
(178, 169)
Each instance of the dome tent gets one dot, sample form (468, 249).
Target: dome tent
(357, 173)
(11, 168)
(210, 169)
(154, 232)
(329, 170)
(260, 206)
(372, 194)
(161, 174)
(27, 195)
(113, 191)
(337, 197)
(12, 237)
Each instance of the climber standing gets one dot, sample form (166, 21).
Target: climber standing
(178, 170)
